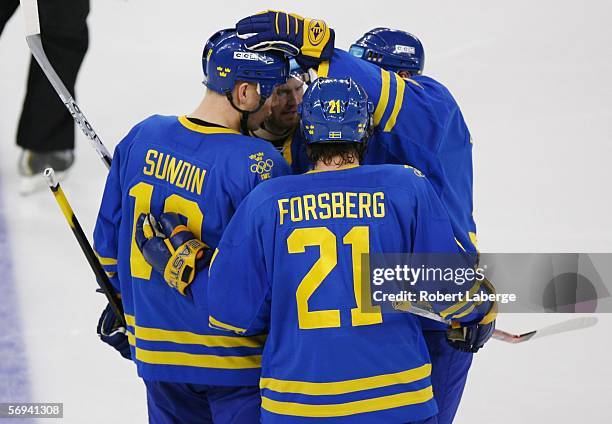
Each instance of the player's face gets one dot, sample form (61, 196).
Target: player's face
(285, 101)
(257, 118)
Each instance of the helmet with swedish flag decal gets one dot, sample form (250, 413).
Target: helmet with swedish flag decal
(226, 60)
(336, 111)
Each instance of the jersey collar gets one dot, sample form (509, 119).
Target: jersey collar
(204, 129)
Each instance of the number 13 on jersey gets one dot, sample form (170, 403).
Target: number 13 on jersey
(143, 194)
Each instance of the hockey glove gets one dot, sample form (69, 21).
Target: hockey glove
(112, 332)
(171, 249)
(470, 337)
(309, 39)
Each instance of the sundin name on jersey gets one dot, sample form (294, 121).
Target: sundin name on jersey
(177, 172)
(332, 205)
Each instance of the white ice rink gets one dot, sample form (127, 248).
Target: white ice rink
(534, 80)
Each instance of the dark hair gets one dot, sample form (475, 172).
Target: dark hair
(336, 153)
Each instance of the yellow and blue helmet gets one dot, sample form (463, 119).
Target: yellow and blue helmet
(226, 60)
(335, 111)
(391, 49)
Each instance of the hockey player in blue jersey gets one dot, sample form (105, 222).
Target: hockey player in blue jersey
(402, 53)
(417, 122)
(199, 166)
(279, 128)
(290, 263)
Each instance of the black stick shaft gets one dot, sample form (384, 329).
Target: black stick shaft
(92, 259)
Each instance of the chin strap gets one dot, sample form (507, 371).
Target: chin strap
(244, 119)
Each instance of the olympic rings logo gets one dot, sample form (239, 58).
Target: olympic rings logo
(262, 167)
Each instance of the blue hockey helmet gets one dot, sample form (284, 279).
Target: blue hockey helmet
(391, 49)
(210, 44)
(335, 111)
(226, 60)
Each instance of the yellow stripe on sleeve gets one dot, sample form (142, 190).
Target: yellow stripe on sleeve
(459, 244)
(185, 337)
(197, 360)
(348, 386)
(215, 323)
(457, 306)
(131, 338)
(348, 408)
(473, 239)
(397, 107)
(384, 96)
(106, 261)
(188, 338)
(466, 312)
(413, 82)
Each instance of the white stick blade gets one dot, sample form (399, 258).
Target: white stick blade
(30, 13)
(566, 326)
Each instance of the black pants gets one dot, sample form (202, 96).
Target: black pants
(45, 123)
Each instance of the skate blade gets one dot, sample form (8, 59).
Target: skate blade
(36, 183)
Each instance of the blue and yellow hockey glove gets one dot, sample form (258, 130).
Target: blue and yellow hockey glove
(470, 337)
(112, 332)
(171, 249)
(311, 40)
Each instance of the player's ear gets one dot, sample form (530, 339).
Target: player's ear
(241, 93)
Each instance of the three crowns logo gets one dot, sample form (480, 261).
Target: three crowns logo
(223, 72)
(257, 156)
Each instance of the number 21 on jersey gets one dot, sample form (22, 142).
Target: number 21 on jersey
(359, 240)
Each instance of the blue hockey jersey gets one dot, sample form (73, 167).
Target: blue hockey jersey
(290, 263)
(419, 123)
(202, 172)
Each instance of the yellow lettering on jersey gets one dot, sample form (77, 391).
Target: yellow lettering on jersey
(161, 175)
(336, 205)
(310, 207)
(198, 180)
(350, 205)
(173, 170)
(282, 210)
(295, 204)
(177, 172)
(379, 204)
(150, 161)
(323, 200)
(365, 205)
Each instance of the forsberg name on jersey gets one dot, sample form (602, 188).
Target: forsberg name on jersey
(177, 172)
(332, 205)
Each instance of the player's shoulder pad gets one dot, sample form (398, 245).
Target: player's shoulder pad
(255, 156)
(153, 123)
(432, 86)
(268, 193)
(255, 147)
(277, 187)
(401, 173)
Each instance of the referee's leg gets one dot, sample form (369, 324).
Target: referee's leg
(45, 124)
(7, 8)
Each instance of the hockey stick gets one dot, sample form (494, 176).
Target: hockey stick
(88, 251)
(30, 12)
(551, 330)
